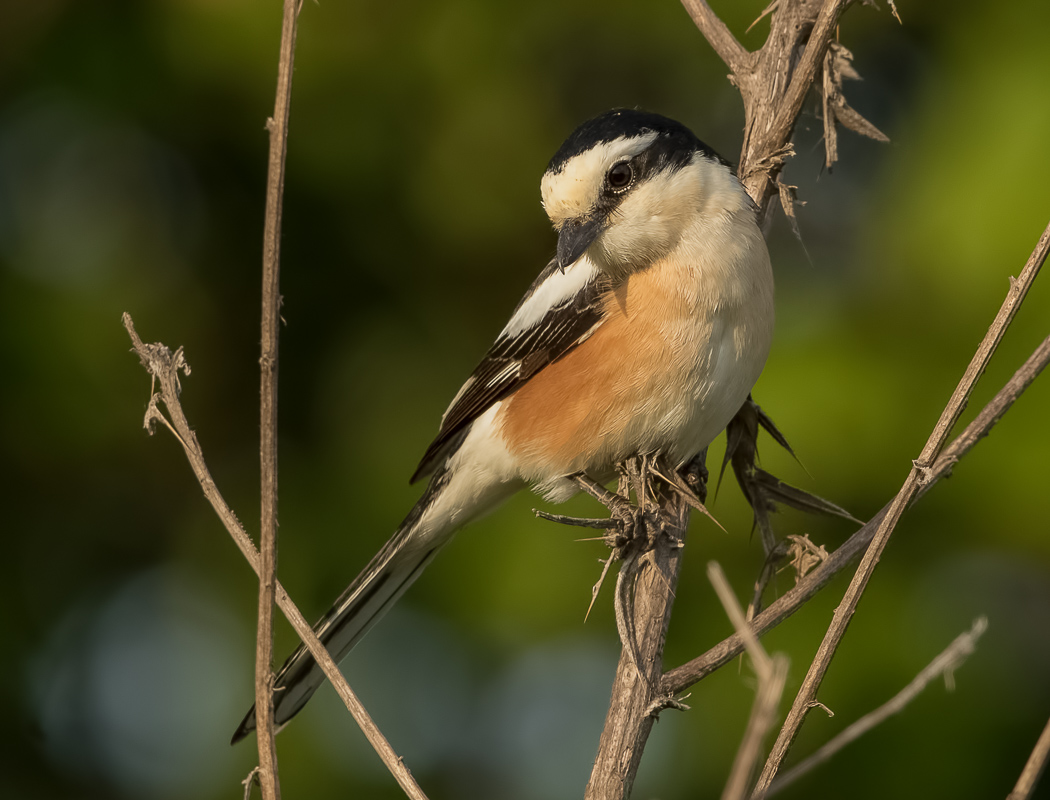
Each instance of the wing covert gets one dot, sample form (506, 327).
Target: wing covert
(561, 309)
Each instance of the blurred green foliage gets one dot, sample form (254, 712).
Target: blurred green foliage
(132, 162)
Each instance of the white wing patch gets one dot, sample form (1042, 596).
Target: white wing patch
(558, 288)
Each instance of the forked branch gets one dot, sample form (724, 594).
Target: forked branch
(920, 474)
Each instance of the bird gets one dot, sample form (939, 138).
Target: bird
(643, 335)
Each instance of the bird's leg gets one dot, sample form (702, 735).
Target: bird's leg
(626, 518)
(580, 522)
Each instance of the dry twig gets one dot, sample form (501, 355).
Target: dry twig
(278, 127)
(1033, 768)
(164, 366)
(771, 672)
(944, 665)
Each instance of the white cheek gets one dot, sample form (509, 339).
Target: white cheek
(649, 222)
(652, 219)
(632, 241)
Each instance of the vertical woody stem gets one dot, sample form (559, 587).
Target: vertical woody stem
(636, 698)
(271, 301)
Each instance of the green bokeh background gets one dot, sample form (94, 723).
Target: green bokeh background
(132, 166)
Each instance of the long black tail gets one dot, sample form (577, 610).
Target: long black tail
(364, 602)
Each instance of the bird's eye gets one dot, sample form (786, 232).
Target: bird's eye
(620, 176)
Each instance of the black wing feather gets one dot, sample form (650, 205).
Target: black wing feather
(512, 360)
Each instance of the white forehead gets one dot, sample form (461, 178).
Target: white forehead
(572, 191)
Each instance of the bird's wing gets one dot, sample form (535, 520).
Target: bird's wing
(561, 309)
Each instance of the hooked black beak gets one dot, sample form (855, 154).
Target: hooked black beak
(576, 236)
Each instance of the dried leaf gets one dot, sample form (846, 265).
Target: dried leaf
(856, 123)
(788, 198)
(804, 555)
(838, 67)
(829, 91)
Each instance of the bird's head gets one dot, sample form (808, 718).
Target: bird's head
(625, 186)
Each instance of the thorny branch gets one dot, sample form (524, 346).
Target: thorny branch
(773, 83)
(652, 550)
(164, 367)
